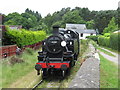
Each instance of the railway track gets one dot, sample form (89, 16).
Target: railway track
(50, 80)
(41, 81)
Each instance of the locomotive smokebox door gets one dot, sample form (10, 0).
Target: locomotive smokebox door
(56, 30)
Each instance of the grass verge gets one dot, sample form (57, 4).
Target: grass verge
(11, 73)
(108, 74)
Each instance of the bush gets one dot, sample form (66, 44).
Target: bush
(112, 41)
(23, 37)
(107, 34)
(94, 38)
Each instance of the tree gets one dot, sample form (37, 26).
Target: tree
(73, 17)
(25, 19)
(90, 24)
(111, 26)
(13, 19)
(36, 14)
(48, 20)
(30, 21)
(102, 18)
(85, 14)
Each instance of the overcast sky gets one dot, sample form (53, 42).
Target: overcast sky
(49, 6)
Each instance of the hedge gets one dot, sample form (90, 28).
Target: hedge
(23, 37)
(104, 41)
(115, 41)
(112, 42)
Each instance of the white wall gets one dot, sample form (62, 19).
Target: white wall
(85, 35)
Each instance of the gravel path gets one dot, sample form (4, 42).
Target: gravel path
(88, 74)
(110, 58)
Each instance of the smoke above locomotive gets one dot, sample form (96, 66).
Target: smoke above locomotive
(59, 52)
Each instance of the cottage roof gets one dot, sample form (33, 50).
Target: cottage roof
(89, 31)
(76, 26)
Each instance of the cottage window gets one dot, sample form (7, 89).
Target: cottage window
(81, 34)
(91, 34)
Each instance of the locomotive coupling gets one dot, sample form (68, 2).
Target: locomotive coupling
(37, 66)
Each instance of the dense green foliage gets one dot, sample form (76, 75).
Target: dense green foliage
(23, 37)
(33, 21)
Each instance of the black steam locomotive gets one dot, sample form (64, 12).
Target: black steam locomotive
(59, 52)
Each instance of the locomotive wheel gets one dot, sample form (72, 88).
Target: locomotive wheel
(44, 73)
(75, 57)
(68, 71)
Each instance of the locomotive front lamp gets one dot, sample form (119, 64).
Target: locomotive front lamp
(70, 43)
(63, 43)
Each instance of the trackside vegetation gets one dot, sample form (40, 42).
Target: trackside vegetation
(22, 37)
(13, 69)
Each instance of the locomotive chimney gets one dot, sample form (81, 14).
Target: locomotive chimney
(55, 30)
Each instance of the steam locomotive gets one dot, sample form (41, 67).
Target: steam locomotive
(59, 52)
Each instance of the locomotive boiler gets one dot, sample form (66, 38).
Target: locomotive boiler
(59, 52)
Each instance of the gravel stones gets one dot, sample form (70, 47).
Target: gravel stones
(88, 75)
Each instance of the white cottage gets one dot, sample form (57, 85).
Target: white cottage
(82, 30)
(84, 33)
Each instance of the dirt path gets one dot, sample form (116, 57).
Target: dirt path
(110, 58)
(116, 54)
(27, 81)
(88, 74)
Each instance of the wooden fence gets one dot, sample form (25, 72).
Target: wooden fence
(6, 51)
(10, 50)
